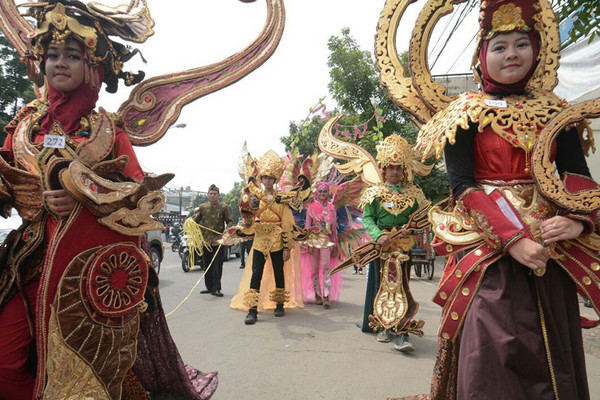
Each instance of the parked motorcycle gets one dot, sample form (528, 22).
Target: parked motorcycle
(184, 253)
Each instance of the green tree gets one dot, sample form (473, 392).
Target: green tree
(15, 89)
(585, 15)
(354, 85)
(232, 199)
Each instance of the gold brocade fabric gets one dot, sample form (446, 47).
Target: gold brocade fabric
(394, 202)
(275, 221)
(292, 270)
(515, 118)
(69, 376)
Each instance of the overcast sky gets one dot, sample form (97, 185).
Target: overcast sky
(257, 109)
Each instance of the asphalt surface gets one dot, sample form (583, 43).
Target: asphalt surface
(311, 353)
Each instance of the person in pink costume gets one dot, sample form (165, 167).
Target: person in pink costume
(317, 283)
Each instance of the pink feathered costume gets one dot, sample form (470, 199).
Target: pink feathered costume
(316, 266)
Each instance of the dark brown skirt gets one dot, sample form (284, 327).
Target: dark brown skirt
(515, 325)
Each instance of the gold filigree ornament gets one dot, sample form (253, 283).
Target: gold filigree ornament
(81, 181)
(508, 17)
(517, 123)
(418, 94)
(453, 228)
(394, 202)
(137, 221)
(361, 163)
(544, 171)
(270, 164)
(251, 298)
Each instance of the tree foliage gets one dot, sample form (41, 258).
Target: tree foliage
(15, 89)
(232, 199)
(354, 85)
(585, 15)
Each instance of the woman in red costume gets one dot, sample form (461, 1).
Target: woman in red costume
(80, 313)
(510, 326)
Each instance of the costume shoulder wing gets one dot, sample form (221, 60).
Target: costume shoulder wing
(441, 128)
(349, 193)
(155, 104)
(360, 162)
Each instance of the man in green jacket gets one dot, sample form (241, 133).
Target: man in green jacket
(389, 305)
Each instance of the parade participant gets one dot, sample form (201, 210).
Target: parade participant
(80, 313)
(390, 205)
(337, 220)
(387, 209)
(321, 213)
(510, 326)
(271, 225)
(213, 217)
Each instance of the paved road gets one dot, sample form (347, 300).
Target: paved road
(311, 353)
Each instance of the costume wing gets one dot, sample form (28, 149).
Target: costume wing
(155, 104)
(585, 197)
(246, 164)
(360, 162)
(418, 94)
(16, 29)
(349, 193)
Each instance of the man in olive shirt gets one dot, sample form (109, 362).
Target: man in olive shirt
(214, 216)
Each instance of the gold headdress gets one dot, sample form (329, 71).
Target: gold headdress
(395, 150)
(91, 24)
(270, 164)
(506, 16)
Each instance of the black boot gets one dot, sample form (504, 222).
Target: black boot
(279, 310)
(251, 317)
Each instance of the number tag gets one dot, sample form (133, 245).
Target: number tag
(389, 204)
(496, 103)
(54, 141)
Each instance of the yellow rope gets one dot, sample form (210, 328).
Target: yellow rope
(195, 239)
(196, 284)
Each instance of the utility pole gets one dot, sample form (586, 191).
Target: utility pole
(180, 205)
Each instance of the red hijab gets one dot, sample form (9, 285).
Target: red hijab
(493, 87)
(68, 107)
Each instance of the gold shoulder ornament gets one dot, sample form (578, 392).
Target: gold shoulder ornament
(515, 118)
(394, 202)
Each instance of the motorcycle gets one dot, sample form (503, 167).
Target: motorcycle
(184, 253)
(176, 239)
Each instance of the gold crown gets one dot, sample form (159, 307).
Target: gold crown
(506, 18)
(394, 150)
(270, 164)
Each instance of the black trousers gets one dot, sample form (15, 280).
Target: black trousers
(258, 266)
(245, 247)
(212, 279)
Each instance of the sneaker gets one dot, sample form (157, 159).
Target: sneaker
(279, 311)
(318, 300)
(384, 337)
(251, 317)
(354, 272)
(402, 343)
(360, 271)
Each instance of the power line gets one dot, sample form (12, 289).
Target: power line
(462, 15)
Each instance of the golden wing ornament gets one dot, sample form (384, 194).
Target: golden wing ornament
(360, 162)
(544, 171)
